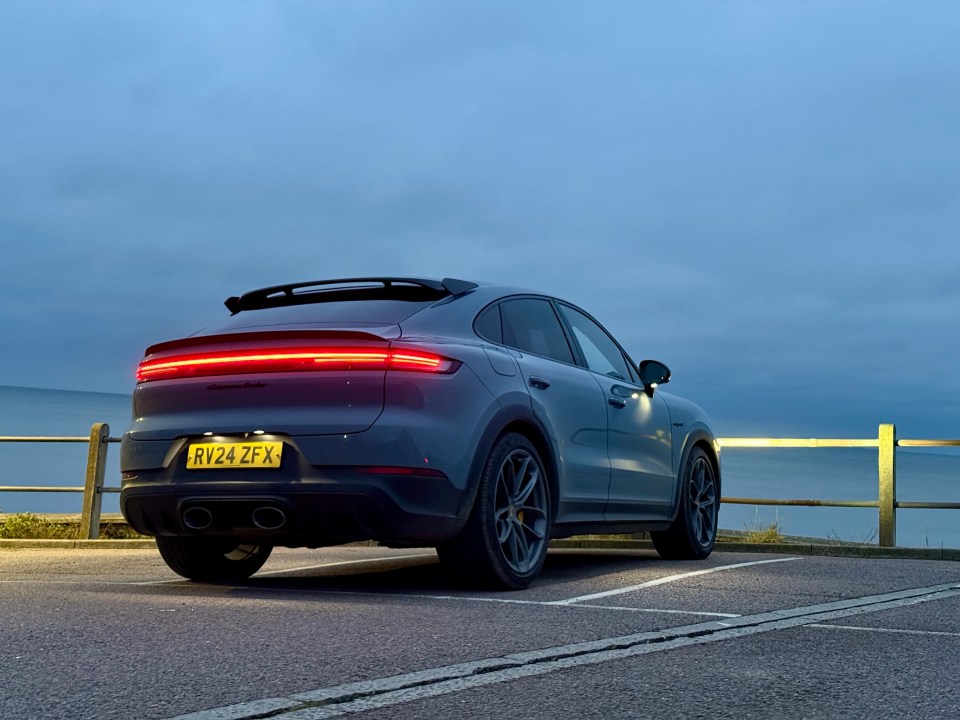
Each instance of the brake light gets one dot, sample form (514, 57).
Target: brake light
(290, 360)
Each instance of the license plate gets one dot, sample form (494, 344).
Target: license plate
(211, 456)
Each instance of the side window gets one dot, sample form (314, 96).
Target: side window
(602, 354)
(488, 325)
(531, 324)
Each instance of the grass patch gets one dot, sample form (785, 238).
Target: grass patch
(764, 534)
(27, 526)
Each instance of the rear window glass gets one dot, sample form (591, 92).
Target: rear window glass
(380, 312)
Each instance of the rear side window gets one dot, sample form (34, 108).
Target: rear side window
(488, 325)
(530, 324)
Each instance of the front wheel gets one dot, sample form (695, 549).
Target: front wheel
(504, 543)
(212, 559)
(694, 533)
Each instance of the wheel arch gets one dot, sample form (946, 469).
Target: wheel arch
(523, 421)
(705, 440)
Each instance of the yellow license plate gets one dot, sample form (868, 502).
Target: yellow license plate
(209, 456)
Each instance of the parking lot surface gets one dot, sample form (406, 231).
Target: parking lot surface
(373, 632)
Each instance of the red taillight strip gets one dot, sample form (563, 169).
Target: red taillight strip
(290, 360)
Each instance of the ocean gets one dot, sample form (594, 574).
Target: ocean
(783, 473)
(36, 412)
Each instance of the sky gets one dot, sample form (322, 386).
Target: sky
(763, 195)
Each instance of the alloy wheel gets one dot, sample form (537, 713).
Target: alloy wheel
(520, 511)
(703, 501)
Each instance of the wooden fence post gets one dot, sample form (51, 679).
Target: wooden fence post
(887, 467)
(93, 487)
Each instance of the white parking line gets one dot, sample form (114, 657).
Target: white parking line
(668, 579)
(894, 631)
(654, 610)
(385, 692)
(365, 561)
(386, 559)
(549, 603)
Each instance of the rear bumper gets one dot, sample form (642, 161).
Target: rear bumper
(335, 506)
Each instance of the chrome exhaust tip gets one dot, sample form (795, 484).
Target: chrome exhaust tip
(269, 518)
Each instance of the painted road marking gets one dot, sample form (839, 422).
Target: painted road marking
(430, 558)
(385, 692)
(895, 631)
(362, 564)
(669, 579)
(542, 603)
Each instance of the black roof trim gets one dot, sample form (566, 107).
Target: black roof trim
(369, 288)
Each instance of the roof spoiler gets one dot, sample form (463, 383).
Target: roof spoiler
(371, 288)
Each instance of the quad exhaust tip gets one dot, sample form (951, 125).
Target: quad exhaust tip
(269, 518)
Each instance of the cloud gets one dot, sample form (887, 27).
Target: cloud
(763, 196)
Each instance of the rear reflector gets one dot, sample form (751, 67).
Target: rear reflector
(391, 470)
(291, 360)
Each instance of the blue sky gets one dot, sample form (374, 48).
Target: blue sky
(763, 195)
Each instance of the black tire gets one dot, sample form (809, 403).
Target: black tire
(694, 533)
(505, 540)
(212, 559)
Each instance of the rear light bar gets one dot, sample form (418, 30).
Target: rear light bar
(291, 360)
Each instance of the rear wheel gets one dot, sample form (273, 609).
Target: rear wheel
(212, 559)
(693, 534)
(504, 543)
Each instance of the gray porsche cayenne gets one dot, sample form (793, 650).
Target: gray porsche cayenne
(479, 419)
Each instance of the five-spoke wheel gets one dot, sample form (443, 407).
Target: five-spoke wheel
(694, 532)
(505, 540)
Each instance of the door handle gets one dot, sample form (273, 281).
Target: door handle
(617, 402)
(539, 383)
(624, 391)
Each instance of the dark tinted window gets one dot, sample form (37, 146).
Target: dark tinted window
(602, 354)
(532, 325)
(488, 324)
(381, 312)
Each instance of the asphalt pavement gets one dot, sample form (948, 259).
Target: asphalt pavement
(371, 632)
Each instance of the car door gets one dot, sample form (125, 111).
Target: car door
(639, 446)
(567, 401)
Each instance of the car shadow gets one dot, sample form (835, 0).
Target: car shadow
(424, 576)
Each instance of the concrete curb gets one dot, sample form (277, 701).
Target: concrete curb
(12, 544)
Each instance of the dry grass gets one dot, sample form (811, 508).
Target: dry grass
(771, 533)
(27, 526)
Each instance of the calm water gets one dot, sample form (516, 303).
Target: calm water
(803, 473)
(842, 474)
(28, 411)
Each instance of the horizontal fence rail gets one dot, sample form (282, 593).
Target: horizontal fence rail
(93, 487)
(886, 443)
(886, 503)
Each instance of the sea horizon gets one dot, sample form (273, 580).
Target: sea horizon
(928, 475)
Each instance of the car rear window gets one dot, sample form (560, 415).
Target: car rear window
(380, 312)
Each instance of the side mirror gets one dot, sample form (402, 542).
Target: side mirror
(653, 373)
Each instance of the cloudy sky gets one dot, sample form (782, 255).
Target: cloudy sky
(764, 195)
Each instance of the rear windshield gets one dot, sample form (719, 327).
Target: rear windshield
(379, 312)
